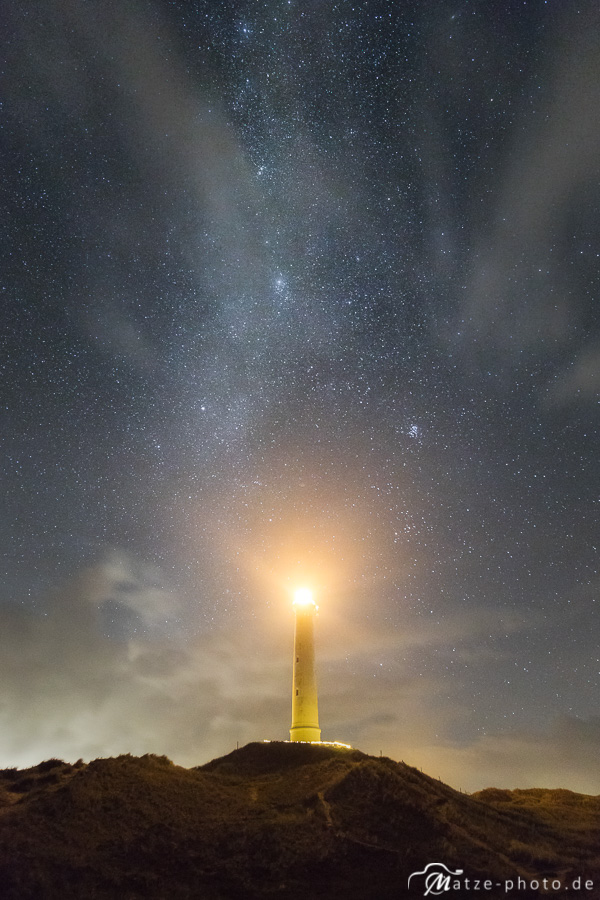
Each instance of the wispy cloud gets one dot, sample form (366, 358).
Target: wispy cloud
(523, 302)
(77, 685)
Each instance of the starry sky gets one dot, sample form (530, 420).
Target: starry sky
(302, 292)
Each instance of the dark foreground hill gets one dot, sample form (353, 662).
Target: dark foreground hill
(280, 820)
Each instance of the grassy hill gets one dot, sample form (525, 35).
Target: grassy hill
(277, 820)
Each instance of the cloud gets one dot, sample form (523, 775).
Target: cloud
(580, 381)
(561, 756)
(73, 684)
(412, 719)
(107, 671)
(528, 295)
(116, 334)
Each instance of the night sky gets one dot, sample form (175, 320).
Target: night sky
(302, 292)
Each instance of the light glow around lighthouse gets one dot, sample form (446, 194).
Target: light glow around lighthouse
(303, 596)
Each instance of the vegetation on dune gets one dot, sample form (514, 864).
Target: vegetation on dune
(272, 820)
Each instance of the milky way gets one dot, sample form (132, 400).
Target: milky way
(302, 293)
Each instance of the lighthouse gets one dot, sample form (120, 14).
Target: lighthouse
(305, 713)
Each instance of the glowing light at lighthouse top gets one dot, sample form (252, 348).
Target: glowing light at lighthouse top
(303, 597)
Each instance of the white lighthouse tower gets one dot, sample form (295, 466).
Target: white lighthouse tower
(305, 712)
